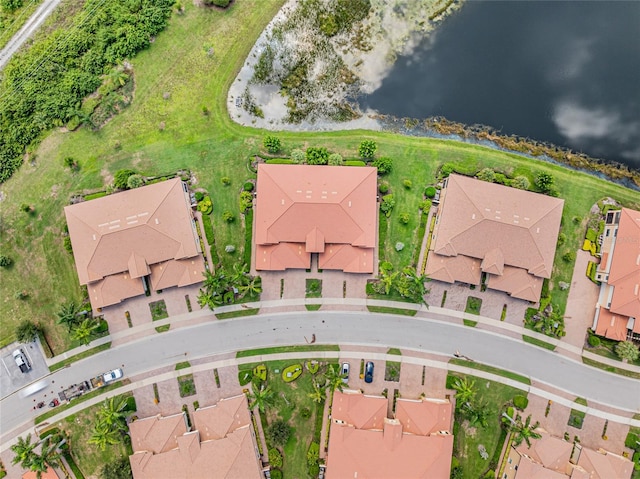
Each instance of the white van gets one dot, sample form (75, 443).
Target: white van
(33, 388)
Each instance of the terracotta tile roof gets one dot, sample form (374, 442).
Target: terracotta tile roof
(126, 233)
(401, 448)
(498, 226)
(605, 465)
(310, 208)
(454, 268)
(553, 453)
(527, 469)
(157, 434)
(114, 289)
(624, 275)
(612, 326)
(517, 282)
(181, 272)
(223, 447)
(50, 473)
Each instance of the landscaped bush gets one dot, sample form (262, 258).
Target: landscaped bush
(425, 206)
(317, 155)
(121, 178)
(5, 261)
(404, 218)
(135, 181)
(486, 174)
(225, 180)
(205, 206)
(407, 184)
(569, 256)
(291, 373)
(278, 432)
(260, 372)
(430, 192)
(272, 144)
(632, 441)
(199, 195)
(383, 187)
(354, 163)
(228, 217)
(208, 230)
(297, 155)
(594, 341)
(276, 474)
(248, 186)
(246, 201)
(591, 235)
(384, 165)
(367, 149)
(313, 453)
(521, 182)
(387, 204)
(275, 458)
(312, 366)
(335, 159)
(244, 377)
(521, 402)
(586, 245)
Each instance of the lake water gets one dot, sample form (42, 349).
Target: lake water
(565, 72)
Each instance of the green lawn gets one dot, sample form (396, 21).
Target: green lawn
(491, 369)
(467, 439)
(212, 147)
(538, 342)
(290, 399)
(88, 457)
(286, 349)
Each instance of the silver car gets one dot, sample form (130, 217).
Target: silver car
(345, 372)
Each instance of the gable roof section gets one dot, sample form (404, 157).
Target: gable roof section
(508, 233)
(113, 289)
(404, 447)
(157, 434)
(314, 206)
(528, 469)
(605, 465)
(611, 325)
(347, 258)
(130, 230)
(181, 272)
(424, 417)
(222, 447)
(278, 257)
(624, 275)
(479, 217)
(553, 453)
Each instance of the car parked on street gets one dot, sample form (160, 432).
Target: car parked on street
(21, 360)
(368, 372)
(344, 372)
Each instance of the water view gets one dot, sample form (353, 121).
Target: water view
(563, 72)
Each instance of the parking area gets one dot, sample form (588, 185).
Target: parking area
(11, 378)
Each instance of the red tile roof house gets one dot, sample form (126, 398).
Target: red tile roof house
(551, 458)
(618, 309)
(365, 444)
(510, 235)
(136, 240)
(302, 210)
(221, 446)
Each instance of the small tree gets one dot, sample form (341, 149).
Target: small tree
(117, 469)
(367, 149)
(135, 181)
(275, 458)
(627, 351)
(272, 143)
(27, 331)
(68, 314)
(228, 216)
(521, 182)
(23, 451)
(387, 204)
(297, 156)
(84, 331)
(278, 432)
(71, 163)
(545, 182)
(404, 218)
(384, 165)
(225, 180)
(5, 261)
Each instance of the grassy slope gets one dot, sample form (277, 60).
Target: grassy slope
(211, 146)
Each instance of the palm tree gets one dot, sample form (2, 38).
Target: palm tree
(465, 390)
(334, 378)
(240, 276)
(524, 431)
(83, 332)
(253, 287)
(104, 435)
(49, 456)
(216, 289)
(114, 413)
(318, 393)
(387, 280)
(68, 314)
(416, 285)
(262, 397)
(23, 451)
(477, 414)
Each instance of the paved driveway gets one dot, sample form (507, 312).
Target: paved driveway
(581, 303)
(11, 378)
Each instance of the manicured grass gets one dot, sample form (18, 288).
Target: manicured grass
(611, 369)
(78, 357)
(492, 370)
(607, 350)
(470, 323)
(186, 385)
(88, 457)
(84, 397)
(163, 329)
(392, 371)
(313, 307)
(183, 365)
(212, 146)
(394, 351)
(467, 438)
(388, 310)
(158, 310)
(239, 313)
(313, 288)
(473, 305)
(290, 400)
(286, 349)
(538, 342)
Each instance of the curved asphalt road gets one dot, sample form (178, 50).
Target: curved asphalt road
(219, 336)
